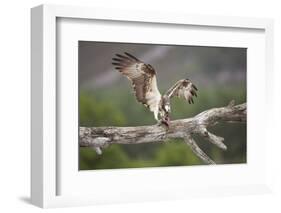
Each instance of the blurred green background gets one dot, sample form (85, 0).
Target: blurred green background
(106, 99)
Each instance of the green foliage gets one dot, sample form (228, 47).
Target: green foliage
(113, 157)
(98, 113)
(175, 153)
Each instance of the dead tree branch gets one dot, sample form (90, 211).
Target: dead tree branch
(101, 137)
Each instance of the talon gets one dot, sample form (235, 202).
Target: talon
(166, 121)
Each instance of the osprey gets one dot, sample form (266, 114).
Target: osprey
(143, 79)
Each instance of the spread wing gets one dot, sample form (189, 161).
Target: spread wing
(142, 77)
(184, 89)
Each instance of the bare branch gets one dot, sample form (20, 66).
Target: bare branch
(216, 140)
(198, 151)
(101, 137)
(98, 150)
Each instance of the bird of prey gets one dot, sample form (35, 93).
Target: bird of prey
(143, 79)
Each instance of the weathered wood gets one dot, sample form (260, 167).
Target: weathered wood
(101, 137)
(199, 152)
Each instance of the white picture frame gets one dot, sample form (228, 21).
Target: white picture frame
(44, 150)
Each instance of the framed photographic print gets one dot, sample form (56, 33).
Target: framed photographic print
(130, 106)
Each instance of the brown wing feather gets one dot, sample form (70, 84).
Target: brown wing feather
(184, 89)
(139, 73)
